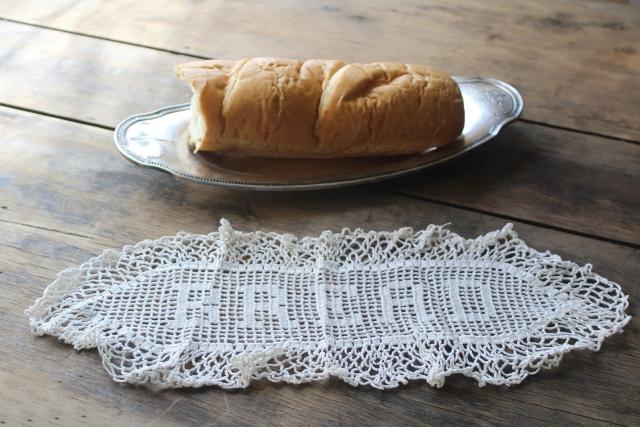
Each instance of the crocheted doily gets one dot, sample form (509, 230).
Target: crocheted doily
(374, 308)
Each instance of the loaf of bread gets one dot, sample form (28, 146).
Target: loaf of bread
(270, 107)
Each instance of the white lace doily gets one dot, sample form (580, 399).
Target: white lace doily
(374, 308)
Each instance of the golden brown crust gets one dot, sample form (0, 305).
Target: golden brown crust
(286, 108)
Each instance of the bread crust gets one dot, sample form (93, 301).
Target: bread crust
(272, 107)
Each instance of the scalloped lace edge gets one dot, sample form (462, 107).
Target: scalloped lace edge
(242, 368)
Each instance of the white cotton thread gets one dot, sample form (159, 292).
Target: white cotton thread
(371, 308)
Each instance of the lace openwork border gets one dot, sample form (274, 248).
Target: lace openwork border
(587, 308)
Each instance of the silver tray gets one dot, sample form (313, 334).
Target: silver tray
(159, 140)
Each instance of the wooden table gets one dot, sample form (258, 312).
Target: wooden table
(567, 175)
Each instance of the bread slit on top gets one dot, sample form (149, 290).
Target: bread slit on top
(269, 107)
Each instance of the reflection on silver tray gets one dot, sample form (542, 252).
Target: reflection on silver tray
(159, 140)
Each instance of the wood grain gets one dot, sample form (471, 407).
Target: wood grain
(572, 60)
(82, 78)
(572, 181)
(67, 195)
(532, 173)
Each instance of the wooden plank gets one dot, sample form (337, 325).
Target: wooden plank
(572, 60)
(57, 209)
(82, 78)
(602, 399)
(572, 181)
(561, 173)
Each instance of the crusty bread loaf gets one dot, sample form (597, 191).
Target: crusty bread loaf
(271, 107)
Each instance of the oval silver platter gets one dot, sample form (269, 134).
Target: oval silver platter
(160, 140)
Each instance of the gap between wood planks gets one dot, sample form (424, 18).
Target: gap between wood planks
(584, 132)
(47, 27)
(56, 116)
(387, 189)
(384, 187)
(53, 230)
(191, 55)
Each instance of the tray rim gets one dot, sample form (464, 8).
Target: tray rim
(121, 128)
